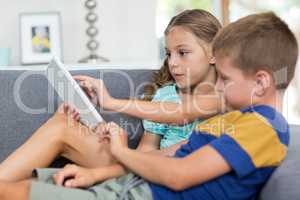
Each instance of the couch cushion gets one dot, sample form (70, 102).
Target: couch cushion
(21, 93)
(285, 182)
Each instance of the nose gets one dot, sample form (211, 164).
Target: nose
(173, 61)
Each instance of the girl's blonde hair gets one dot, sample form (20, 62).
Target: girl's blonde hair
(197, 21)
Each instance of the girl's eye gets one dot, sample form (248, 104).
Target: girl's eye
(183, 53)
(168, 54)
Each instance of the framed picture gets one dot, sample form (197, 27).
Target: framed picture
(40, 37)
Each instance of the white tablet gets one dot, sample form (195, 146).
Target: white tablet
(70, 91)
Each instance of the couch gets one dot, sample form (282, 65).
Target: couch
(27, 101)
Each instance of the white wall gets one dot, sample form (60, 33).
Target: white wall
(127, 28)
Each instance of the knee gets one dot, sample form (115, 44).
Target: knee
(2, 185)
(67, 129)
(62, 122)
(8, 190)
(55, 127)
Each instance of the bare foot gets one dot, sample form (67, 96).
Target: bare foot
(69, 110)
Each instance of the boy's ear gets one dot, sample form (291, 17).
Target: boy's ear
(263, 81)
(212, 60)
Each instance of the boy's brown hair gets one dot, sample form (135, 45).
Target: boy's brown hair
(260, 41)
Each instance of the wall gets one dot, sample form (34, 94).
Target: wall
(127, 28)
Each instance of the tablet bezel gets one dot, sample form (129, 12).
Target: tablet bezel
(88, 115)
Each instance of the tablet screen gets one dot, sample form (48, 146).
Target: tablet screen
(70, 92)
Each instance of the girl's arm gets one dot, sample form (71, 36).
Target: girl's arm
(198, 106)
(169, 151)
(149, 142)
(193, 107)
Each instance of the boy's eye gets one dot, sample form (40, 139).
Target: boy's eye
(168, 54)
(223, 77)
(226, 80)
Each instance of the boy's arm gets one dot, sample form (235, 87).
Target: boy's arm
(176, 173)
(108, 172)
(149, 142)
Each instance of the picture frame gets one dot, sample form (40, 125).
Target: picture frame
(40, 37)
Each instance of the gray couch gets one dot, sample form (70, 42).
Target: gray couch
(27, 102)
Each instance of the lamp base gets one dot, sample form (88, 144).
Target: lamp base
(93, 59)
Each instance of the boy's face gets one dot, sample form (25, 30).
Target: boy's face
(235, 87)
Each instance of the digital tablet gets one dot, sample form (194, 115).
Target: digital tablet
(70, 92)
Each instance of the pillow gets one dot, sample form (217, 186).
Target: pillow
(285, 181)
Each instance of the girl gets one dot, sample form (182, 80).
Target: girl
(187, 79)
(188, 74)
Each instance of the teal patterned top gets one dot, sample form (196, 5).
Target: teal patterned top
(170, 134)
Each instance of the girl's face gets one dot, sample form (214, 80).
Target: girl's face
(188, 61)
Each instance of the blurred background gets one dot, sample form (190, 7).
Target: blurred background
(127, 29)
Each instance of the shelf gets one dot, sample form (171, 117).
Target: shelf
(79, 66)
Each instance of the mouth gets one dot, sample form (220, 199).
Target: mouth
(178, 76)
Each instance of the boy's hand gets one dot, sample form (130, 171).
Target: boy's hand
(118, 138)
(101, 131)
(95, 89)
(73, 176)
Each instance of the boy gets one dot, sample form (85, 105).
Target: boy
(229, 156)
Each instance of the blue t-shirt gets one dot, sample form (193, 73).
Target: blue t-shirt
(170, 134)
(253, 141)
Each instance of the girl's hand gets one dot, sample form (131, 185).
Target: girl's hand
(118, 138)
(95, 89)
(73, 176)
(71, 110)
